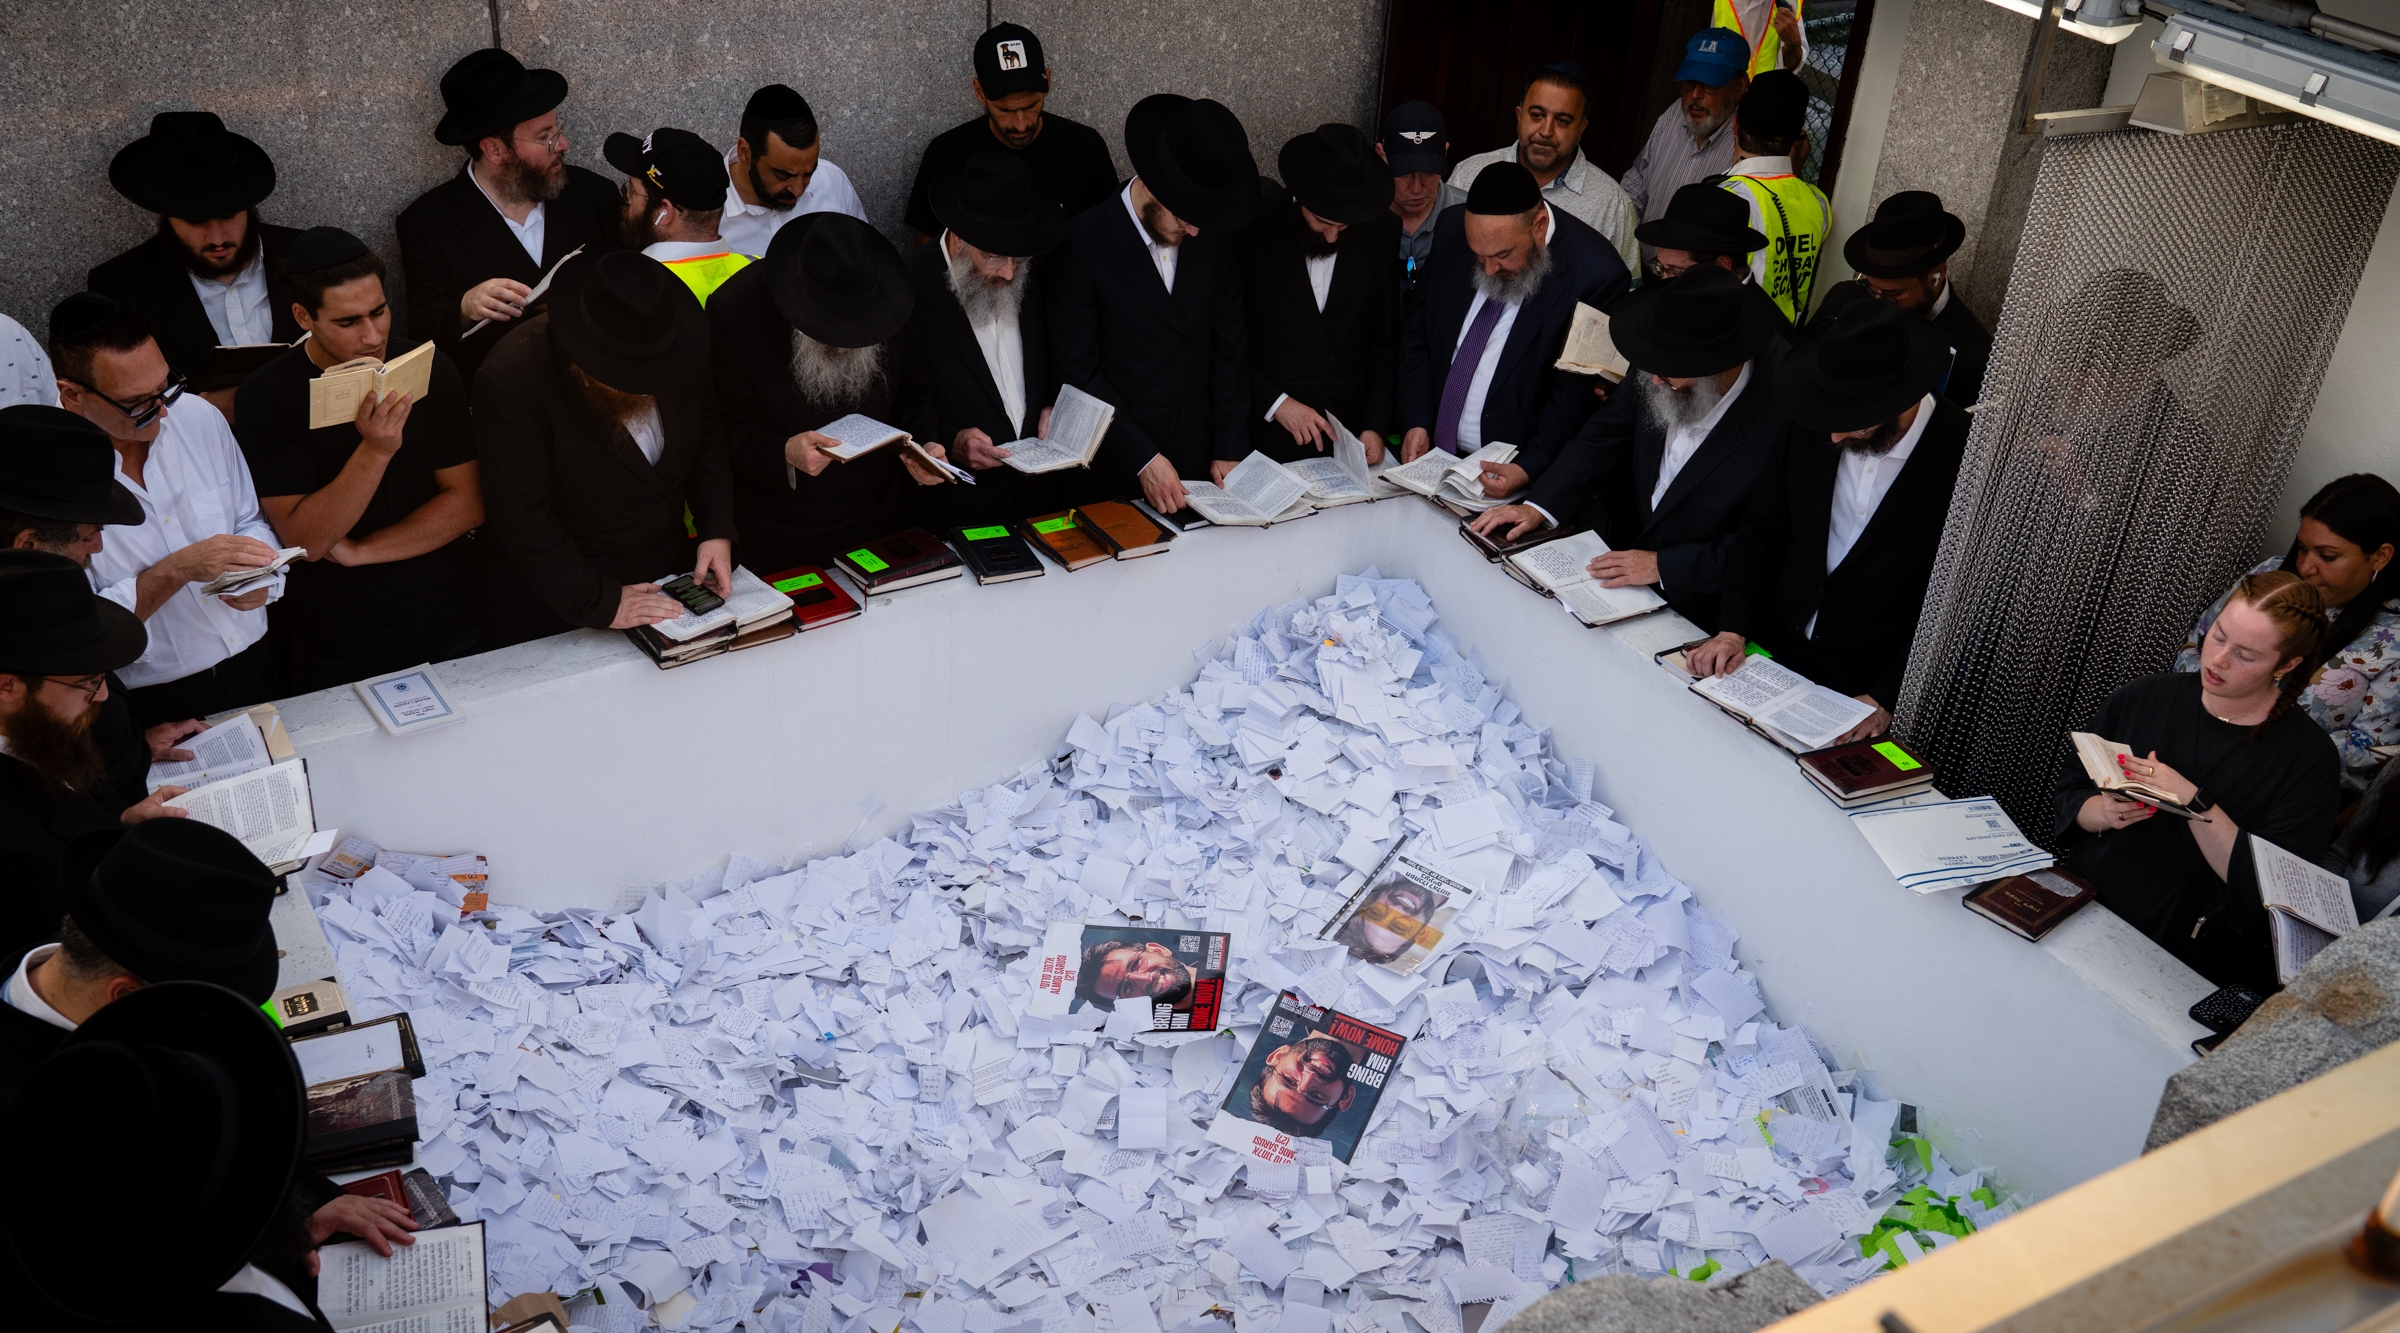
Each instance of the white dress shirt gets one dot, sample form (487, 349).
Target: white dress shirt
(195, 485)
(1161, 255)
(1859, 484)
(1003, 344)
(648, 434)
(746, 228)
(240, 311)
(25, 374)
(530, 233)
(1584, 192)
(1320, 282)
(21, 996)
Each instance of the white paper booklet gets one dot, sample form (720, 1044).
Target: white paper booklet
(1948, 844)
(539, 288)
(1078, 422)
(1798, 713)
(1455, 481)
(233, 582)
(1590, 350)
(751, 601)
(1257, 492)
(434, 1286)
(407, 702)
(268, 809)
(2308, 906)
(856, 436)
(1561, 567)
(229, 749)
(1342, 476)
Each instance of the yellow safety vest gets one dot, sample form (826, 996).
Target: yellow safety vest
(1796, 217)
(1766, 49)
(704, 274)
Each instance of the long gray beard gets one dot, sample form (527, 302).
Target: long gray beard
(1681, 407)
(983, 302)
(839, 378)
(1520, 287)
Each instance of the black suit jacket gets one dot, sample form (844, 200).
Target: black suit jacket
(1694, 527)
(573, 508)
(1531, 404)
(1972, 344)
(788, 517)
(36, 824)
(452, 237)
(25, 1041)
(1866, 609)
(1343, 359)
(153, 278)
(1173, 364)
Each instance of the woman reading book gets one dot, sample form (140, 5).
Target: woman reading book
(2349, 532)
(2227, 744)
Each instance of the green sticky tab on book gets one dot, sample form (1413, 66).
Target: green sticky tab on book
(1050, 525)
(799, 581)
(1899, 757)
(983, 534)
(269, 1010)
(1755, 650)
(867, 561)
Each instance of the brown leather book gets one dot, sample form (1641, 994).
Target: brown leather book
(1127, 531)
(1064, 537)
(2032, 904)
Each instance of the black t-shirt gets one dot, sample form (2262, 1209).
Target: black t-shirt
(1068, 159)
(424, 599)
(2283, 785)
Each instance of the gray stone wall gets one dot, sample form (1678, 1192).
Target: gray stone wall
(344, 97)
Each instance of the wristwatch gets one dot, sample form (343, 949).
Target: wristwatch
(2199, 804)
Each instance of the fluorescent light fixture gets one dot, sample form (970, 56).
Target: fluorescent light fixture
(2116, 19)
(2290, 77)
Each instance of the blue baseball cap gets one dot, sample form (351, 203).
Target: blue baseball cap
(1714, 56)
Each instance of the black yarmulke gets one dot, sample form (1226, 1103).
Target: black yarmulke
(322, 247)
(79, 315)
(1775, 107)
(1503, 189)
(775, 103)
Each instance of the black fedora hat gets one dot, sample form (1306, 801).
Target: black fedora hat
(53, 624)
(182, 1082)
(628, 322)
(1861, 368)
(1194, 156)
(1909, 234)
(838, 280)
(1334, 173)
(180, 901)
(1704, 218)
(1701, 323)
(56, 464)
(190, 166)
(994, 204)
(491, 92)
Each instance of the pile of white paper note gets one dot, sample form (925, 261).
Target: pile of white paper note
(819, 1098)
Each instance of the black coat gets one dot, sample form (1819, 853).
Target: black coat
(1866, 610)
(1972, 345)
(1175, 365)
(452, 238)
(788, 517)
(572, 507)
(1344, 359)
(37, 822)
(1695, 525)
(153, 278)
(1531, 404)
(25, 1041)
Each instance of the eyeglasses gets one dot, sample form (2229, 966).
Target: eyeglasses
(552, 140)
(145, 409)
(1663, 272)
(91, 686)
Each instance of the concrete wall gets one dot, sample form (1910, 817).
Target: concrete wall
(344, 97)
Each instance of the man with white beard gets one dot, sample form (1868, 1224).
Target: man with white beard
(1682, 453)
(803, 338)
(979, 338)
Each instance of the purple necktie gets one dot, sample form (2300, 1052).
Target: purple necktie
(1462, 374)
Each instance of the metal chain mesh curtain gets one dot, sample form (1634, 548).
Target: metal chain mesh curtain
(2174, 303)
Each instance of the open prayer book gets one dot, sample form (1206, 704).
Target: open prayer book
(1793, 711)
(361, 1098)
(268, 809)
(2099, 758)
(1257, 492)
(235, 582)
(855, 436)
(334, 397)
(2308, 906)
(539, 289)
(1078, 421)
(437, 1285)
(227, 750)
(1342, 476)
(1452, 481)
(752, 602)
(1558, 569)
(1589, 349)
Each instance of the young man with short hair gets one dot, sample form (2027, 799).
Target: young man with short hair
(382, 503)
(1067, 159)
(779, 172)
(1553, 111)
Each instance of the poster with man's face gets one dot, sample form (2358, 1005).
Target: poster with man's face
(1178, 975)
(1403, 917)
(1313, 1074)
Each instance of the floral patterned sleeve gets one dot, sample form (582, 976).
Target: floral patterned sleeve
(2353, 698)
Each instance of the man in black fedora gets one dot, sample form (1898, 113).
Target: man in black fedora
(1704, 226)
(977, 335)
(1317, 297)
(1478, 355)
(1903, 256)
(1146, 311)
(1696, 433)
(1067, 159)
(212, 276)
(473, 248)
(595, 427)
(186, 1086)
(1838, 544)
(805, 337)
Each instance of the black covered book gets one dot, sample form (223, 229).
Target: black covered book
(902, 560)
(996, 554)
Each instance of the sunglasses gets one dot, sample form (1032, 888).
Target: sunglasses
(145, 409)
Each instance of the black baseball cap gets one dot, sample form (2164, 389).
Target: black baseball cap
(1415, 138)
(678, 164)
(1008, 60)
